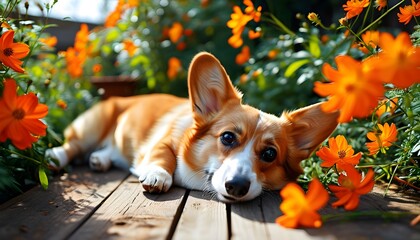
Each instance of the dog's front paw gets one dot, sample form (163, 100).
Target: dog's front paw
(155, 179)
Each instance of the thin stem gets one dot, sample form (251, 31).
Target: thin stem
(379, 18)
(353, 215)
(20, 155)
(281, 24)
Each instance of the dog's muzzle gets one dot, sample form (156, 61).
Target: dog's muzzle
(237, 186)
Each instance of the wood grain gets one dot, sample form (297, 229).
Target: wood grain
(130, 213)
(58, 211)
(202, 218)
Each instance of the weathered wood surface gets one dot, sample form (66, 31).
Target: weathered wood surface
(86, 205)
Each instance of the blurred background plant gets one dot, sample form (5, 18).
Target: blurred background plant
(273, 50)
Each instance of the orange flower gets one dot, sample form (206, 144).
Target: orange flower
(301, 210)
(112, 19)
(133, 3)
(243, 56)
(97, 68)
(386, 105)
(61, 104)
(254, 34)
(75, 61)
(398, 63)
(236, 40)
(19, 117)
(355, 7)
(371, 39)
(351, 187)
(175, 32)
(11, 53)
(82, 38)
(381, 4)
(250, 10)
(50, 41)
(383, 139)
(407, 12)
(130, 47)
(354, 89)
(237, 23)
(272, 54)
(174, 67)
(339, 153)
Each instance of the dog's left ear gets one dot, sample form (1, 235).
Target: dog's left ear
(209, 87)
(306, 129)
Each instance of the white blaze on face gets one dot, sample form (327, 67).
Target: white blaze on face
(240, 164)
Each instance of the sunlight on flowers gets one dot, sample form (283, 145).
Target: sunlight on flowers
(398, 62)
(355, 7)
(11, 52)
(339, 153)
(408, 12)
(354, 90)
(351, 187)
(300, 209)
(19, 117)
(382, 139)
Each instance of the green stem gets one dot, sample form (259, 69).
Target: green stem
(355, 215)
(280, 24)
(379, 18)
(20, 155)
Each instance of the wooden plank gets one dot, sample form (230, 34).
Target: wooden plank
(361, 228)
(58, 211)
(203, 218)
(247, 220)
(130, 213)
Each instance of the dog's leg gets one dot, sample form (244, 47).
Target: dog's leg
(157, 167)
(86, 132)
(101, 160)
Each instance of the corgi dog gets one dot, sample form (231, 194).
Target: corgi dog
(209, 142)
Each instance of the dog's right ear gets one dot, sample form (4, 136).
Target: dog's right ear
(209, 87)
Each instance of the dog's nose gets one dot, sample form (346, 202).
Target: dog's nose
(237, 186)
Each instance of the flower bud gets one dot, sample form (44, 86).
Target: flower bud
(343, 21)
(313, 17)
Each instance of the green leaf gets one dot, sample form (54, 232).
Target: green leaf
(314, 46)
(43, 179)
(292, 68)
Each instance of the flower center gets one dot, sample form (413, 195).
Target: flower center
(8, 52)
(18, 114)
(341, 154)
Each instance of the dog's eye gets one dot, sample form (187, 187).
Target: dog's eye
(268, 155)
(228, 139)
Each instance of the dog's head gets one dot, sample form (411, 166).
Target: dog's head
(242, 149)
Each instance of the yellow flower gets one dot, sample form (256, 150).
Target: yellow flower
(313, 17)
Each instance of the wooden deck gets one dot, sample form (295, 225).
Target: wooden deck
(87, 205)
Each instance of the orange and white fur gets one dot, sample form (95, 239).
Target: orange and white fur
(210, 142)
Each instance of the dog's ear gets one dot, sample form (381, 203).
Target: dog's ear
(209, 87)
(306, 129)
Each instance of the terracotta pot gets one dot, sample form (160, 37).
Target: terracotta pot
(109, 86)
